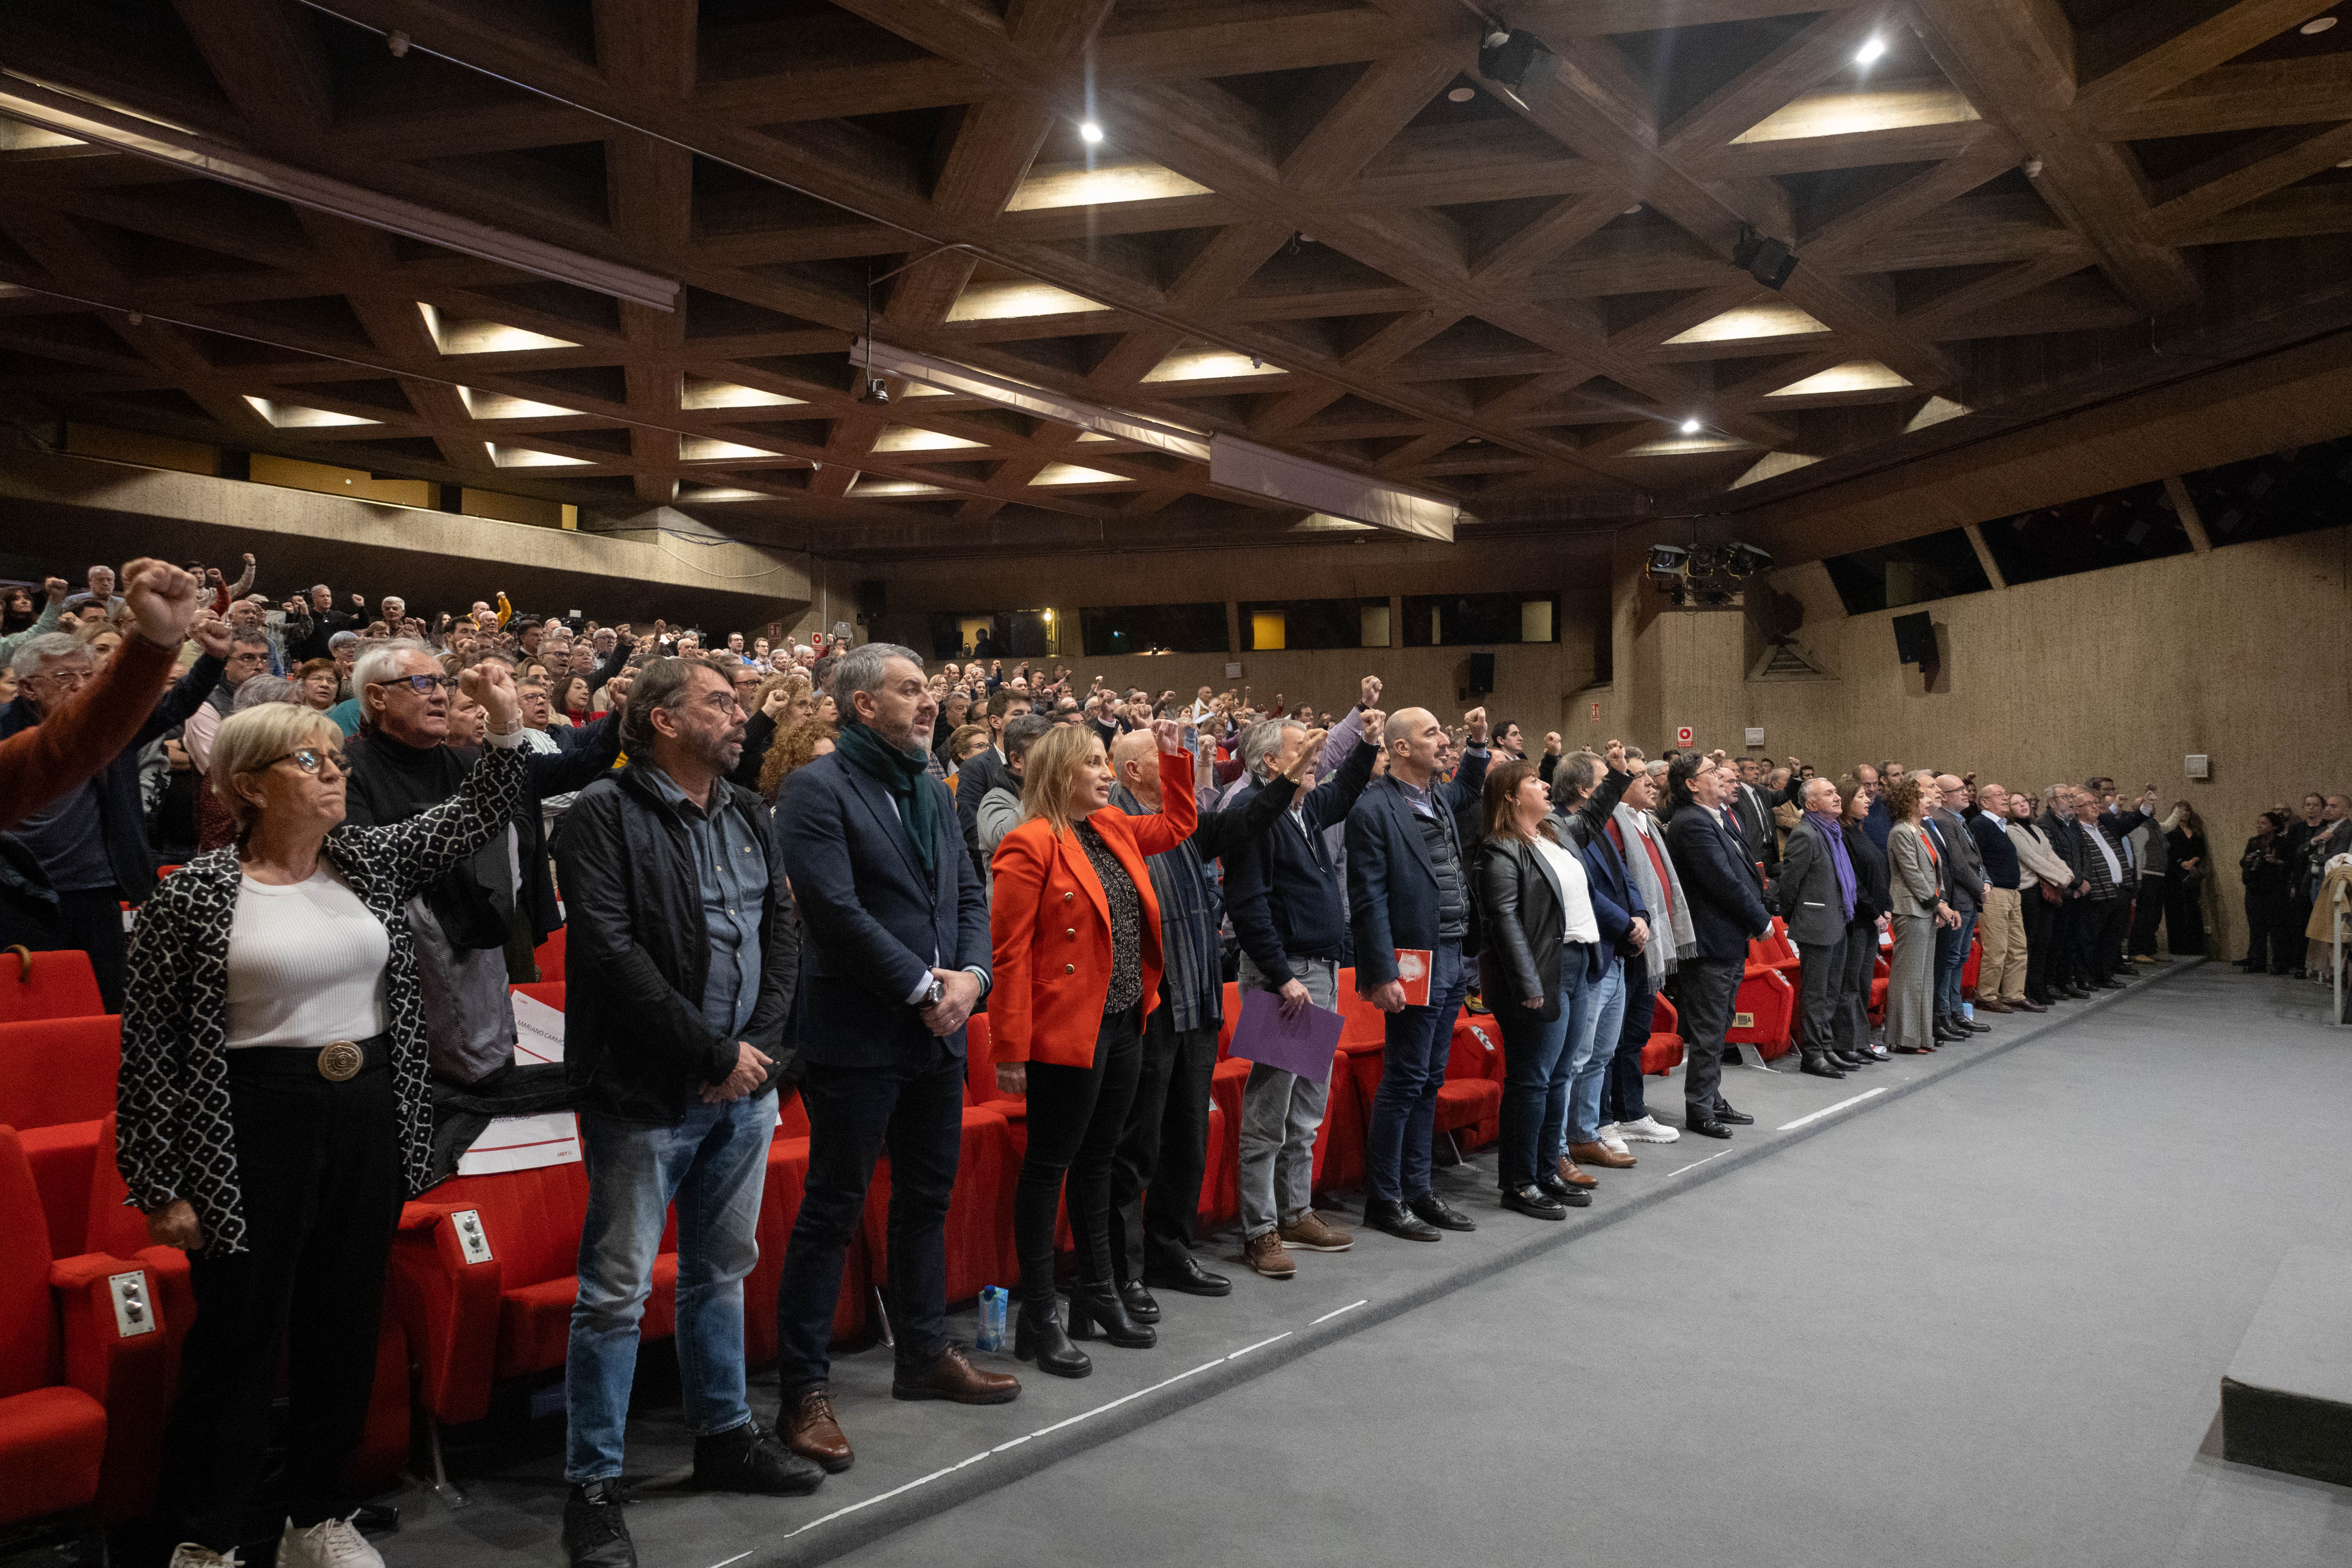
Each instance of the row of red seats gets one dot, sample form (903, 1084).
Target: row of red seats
(1765, 1013)
(482, 1278)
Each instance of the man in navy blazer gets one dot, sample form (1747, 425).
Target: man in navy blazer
(1584, 793)
(895, 957)
(1409, 887)
(1726, 908)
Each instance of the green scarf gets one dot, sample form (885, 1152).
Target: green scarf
(906, 777)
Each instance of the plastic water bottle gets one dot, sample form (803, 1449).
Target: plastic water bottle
(1969, 1011)
(992, 1301)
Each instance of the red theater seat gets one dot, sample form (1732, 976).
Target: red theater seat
(548, 955)
(56, 1070)
(473, 1324)
(1764, 1015)
(70, 1378)
(48, 985)
(980, 1209)
(1663, 1051)
(1470, 1101)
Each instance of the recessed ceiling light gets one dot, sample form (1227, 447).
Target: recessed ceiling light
(1462, 95)
(1870, 51)
(1690, 426)
(1089, 133)
(2346, 165)
(2318, 25)
(1629, 212)
(1474, 441)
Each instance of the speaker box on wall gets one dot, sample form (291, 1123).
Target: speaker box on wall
(1915, 639)
(873, 598)
(1481, 674)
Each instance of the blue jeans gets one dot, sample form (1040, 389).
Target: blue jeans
(714, 1165)
(1412, 1069)
(1951, 957)
(1625, 1100)
(1535, 1078)
(1591, 1047)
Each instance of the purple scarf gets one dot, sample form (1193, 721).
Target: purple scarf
(1838, 857)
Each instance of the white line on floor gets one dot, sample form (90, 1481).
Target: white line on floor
(1259, 1346)
(737, 1558)
(1694, 1164)
(1830, 1109)
(1349, 1308)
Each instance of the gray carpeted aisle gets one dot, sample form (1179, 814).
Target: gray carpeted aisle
(1981, 1323)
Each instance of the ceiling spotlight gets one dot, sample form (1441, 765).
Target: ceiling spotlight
(1257, 361)
(1462, 95)
(1690, 426)
(2032, 168)
(1669, 561)
(1746, 560)
(1629, 212)
(135, 318)
(1474, 441)
(1870, 51)
(2317, 24)
(2346, 165)
(1089, 133)
(1505, 56)
(1767, 260)
(397, 42)
(875, 392)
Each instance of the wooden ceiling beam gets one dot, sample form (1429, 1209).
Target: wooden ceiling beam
(2232, 98)
(2159, 45)
(2014, 59)
(2268, 164)
(265, 56)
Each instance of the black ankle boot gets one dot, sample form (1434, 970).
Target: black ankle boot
(1037, 1336)
(1097, 1306)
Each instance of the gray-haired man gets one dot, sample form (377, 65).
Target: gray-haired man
(1290, 914)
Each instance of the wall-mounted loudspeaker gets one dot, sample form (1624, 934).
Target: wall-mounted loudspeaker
(873, 599)
(1915, 641)
(1482, 675)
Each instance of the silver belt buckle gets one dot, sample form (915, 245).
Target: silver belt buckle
(341, 1060)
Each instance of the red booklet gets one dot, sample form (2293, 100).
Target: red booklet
(1412, 972)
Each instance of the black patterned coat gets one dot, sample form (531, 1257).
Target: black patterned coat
(174, 1138)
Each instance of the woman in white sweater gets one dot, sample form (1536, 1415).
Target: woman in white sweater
(271, 1110)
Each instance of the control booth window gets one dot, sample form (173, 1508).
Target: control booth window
(1153, 628)
(1314, 624)
(1908, 571)
(1462, 620)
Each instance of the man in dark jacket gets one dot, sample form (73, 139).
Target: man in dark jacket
(1726, 908)
(474, 928)
(1164, 1148)
(1283, 895)
(90, 846)
(683, 966)
(2067, 979)
(1818, 893)
(897, 955)
(1409, 891)
(985, 771)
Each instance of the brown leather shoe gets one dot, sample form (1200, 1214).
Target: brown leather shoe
(953, 1378)
(1599, 1154)
(1313, 1234)
(1995, 1007)
(1574, 1177)
(811, 1431)
(1267, 1254)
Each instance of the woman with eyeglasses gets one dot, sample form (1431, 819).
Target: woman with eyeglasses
(272, 1113)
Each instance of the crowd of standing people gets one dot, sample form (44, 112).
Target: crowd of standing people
(803, 867)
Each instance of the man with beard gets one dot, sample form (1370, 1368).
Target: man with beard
(684, 957)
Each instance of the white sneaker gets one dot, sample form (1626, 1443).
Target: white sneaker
(1613, 1140)
(329, 1544)
(1648, 1129)
(188, 1554)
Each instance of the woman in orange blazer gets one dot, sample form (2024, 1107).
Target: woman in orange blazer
(1076, 934)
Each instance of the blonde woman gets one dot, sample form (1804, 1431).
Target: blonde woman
(271, 1107)
(1076, 929)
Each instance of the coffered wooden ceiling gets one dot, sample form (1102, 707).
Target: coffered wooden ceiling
(1308, 222)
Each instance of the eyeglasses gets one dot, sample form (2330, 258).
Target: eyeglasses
(64, 679)
(423, 685)
(309, 759)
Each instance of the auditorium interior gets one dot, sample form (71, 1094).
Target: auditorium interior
(1960, 380)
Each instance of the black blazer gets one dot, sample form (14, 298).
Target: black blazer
(975, 776)
(1391, 883)
(1872, 896)
(875, 926)
(1726, 900)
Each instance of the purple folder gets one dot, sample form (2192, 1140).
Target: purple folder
(1302, 1045)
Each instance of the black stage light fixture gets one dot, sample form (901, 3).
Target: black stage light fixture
(1746, 560)
(1669, 561)
(875, 392)
(1767, 260)
(1504, 56)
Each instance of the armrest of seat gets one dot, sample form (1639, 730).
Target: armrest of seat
(448, 1306)
(107, 1356)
